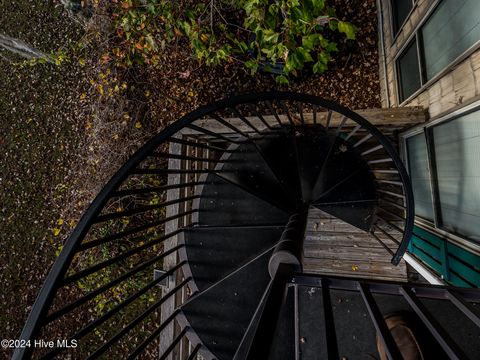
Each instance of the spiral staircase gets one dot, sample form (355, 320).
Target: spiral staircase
(220, 204)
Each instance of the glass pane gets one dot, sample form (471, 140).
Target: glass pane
(452, 29)
(420, 176)
(457, 155)
(401, 9)
(408, 71)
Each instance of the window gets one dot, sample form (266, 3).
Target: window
(451, 29)
(408, 71)
(420, 175)
(447, 193)
(400, 11)
(457, 158)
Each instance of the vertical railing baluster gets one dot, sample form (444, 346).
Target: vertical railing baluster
(390, 346)
(245, 120)
(230, 126)
(194, 353)
(300, 111)
(382, 243)
(340, 126)
(353, 132)
(448, 345)
(174, 344)
(285, 109)
(296, 322)
(213, 134)
(263, 336)
(329, 119)
(373, 149)
(330, 333)
(260, 116)
(362, 140)
(274, 112)
(463, 306)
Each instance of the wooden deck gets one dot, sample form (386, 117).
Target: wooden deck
(337, 248)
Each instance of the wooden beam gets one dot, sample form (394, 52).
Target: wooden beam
(390, 118)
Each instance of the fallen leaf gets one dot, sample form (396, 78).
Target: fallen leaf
(184, 75)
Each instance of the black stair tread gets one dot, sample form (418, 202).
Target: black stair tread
(280, 154)
(283, 346)
(342, 162)
(247, 168)
(312, 150)
(223, 203)
(354, 330)
(352, 200)
(311, 323)
(214, 252)
(359, 214)
(221, 315)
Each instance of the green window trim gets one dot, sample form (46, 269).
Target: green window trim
(456, 265)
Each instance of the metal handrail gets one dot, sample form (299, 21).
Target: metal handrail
(56, 277)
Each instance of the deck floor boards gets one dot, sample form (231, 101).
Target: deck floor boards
(334, 247)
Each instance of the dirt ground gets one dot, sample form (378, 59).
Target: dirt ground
(60, 143)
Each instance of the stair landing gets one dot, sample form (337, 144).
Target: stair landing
(334, 247)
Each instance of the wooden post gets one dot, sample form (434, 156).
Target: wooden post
(167, 308)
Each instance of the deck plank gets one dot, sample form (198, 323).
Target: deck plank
(337, 248)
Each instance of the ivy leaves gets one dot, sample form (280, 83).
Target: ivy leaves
(287, 36)
(348, 29)
(292, 33)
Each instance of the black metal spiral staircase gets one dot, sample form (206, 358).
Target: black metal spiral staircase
(219, 202)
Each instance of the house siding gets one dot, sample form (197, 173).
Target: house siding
(453, 89)
(458, 85)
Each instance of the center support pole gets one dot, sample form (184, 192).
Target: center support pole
(284, 262)
(289, 250)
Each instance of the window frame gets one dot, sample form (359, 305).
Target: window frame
(406, 161)
(396, 33)
(417, 34)
(398, 80)
(427, 128)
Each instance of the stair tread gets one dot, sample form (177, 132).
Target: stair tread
(359, 214)
(247, 168)
(261, 184)
(221, 315)
(215, 252)
(281, 349)
(279, 152)
(346, 187)
(223, 203)
(342, 162)
(312, 149)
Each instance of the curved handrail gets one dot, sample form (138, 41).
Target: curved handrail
(47, 293)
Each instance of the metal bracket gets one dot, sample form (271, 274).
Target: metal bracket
(157, 274)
